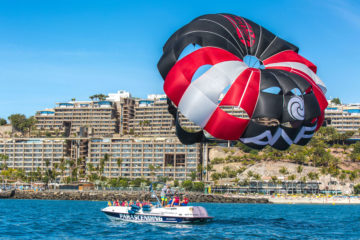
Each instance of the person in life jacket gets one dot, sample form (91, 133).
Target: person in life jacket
(109, 203)
(185, 201)
(138, 203)
(176, 200)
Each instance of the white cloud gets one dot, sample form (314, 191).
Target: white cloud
(347, 9)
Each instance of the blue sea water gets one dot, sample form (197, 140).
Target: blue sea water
(49, 219)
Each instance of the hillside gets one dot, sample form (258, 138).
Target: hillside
(332, 164)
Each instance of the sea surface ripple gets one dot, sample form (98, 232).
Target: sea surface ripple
(49, 219)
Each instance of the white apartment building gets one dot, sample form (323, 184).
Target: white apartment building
(168, 157)
(31, 154)
(343, 117)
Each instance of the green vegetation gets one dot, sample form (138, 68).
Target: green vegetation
(21, 123)
(357, 189)
(336, 101)
(2, 121)
(189, 185)
(327, 150)
(316, 153)
(283, 171)
(99, 97)
(355, 154)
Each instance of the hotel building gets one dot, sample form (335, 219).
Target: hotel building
(137, 135)
(87, 118)
(344, 117)
(152, 118)
(31, 154)
(145, 157)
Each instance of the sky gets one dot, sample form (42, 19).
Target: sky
(53, 51)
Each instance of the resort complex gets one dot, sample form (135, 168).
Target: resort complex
(120, 136)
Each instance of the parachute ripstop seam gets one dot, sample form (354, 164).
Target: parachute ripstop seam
(204, 19)
(214, 34)
(248, 30)
(257, 48)
(234, 23)
(268, 46)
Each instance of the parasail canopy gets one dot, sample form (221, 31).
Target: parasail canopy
(283, 98)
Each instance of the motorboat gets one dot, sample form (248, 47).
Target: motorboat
(158, 214)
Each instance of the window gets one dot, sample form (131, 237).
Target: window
(180, 160)
(169, 159)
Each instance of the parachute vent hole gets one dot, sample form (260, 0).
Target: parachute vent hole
(296, 91)
(188, 49)
(269, 122)
(223, 93)
(253, 62)
(273, 90)
(200, 71)
(235, 111)
(292, 124)
(188, 125)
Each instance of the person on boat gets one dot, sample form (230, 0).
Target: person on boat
(117, 202)
(147, 202)
(109, 204)
(114, 202)
(185, 201)
(131, 202)
(163, 195)
(138, 203)
(175, 201)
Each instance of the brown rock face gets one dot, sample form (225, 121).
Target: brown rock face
(126, 196)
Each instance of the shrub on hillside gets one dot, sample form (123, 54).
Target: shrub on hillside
(357, 189)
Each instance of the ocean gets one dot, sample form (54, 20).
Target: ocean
(51, 219)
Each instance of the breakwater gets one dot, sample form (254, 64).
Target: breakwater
(127, 195)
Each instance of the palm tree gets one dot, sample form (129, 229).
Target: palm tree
(193, 175)
(62, 168)
(102, 97)
(47, 163)
(4, 158)
(72, 166)
(119, 161)
(152, 170)
(200, 170)
(102, 163)
(257, 177)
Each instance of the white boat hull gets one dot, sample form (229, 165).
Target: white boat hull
(159, 215)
